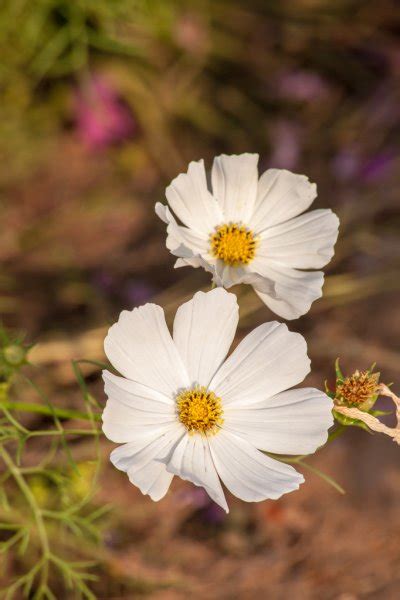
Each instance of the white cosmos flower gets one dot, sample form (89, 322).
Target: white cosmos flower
(182, 408)
(251, 230)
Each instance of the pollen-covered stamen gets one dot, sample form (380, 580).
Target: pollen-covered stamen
(234, 244)
(199, 410)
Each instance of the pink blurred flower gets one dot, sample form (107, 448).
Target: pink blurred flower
(101, 117)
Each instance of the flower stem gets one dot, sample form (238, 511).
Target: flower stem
(29, 497)
(41, 409)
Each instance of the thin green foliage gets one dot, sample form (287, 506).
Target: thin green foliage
(47, 509)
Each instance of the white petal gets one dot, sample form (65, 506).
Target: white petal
(161, 212)
(249, 474)
(305, 242)
(191, 460)
(133, 410)
(122, 457)
(208, 263)
(136, 395)
(269, 360)
(292, 422)
(153, 480)
(191, 201)
(182, 241)
(295, 291)
(281, 195)
(141, 348)
(204, 329)
(227, 276)
(198, 261)
(122, 423)
(141, 459)
(188, 262)
(234, 183)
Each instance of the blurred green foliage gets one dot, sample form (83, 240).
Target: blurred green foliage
(212, 66)
(46, 497)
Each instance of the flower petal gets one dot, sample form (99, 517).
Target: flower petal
(142, 458)
(227, 276)
(191, 201)
(136, 395)
(204, 329)
(281, 195)
(122, 423)
(305, 242)
(292, 422)
(249, 474)
(191, 460)
(295, 291)
(267, 361)
(141, 348)
(181, 241)
(188, 262)
(234, 182)
(154, 480)
(121, 457)
(133, 409)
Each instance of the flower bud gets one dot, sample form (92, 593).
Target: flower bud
(359, 389)
(14, 355)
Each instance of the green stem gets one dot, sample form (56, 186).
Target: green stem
(56, 432)
(336, 433)
(41, 409)
(30, 498)
(323, 476)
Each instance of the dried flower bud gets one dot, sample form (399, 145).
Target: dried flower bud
(354, 398)
(369, 419)
(360, 389)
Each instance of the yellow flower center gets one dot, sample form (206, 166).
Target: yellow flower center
(199, 410)
(234, 244)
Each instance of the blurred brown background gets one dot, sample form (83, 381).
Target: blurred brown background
(102, 105)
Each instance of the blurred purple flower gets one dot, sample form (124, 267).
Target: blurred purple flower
(103, 281)
(138, 292)
(101, 118)
(285, 139)
(351, 165)
(194, 496)
(213, 514)
(301, 85)
(209, 512)
(377, 167)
